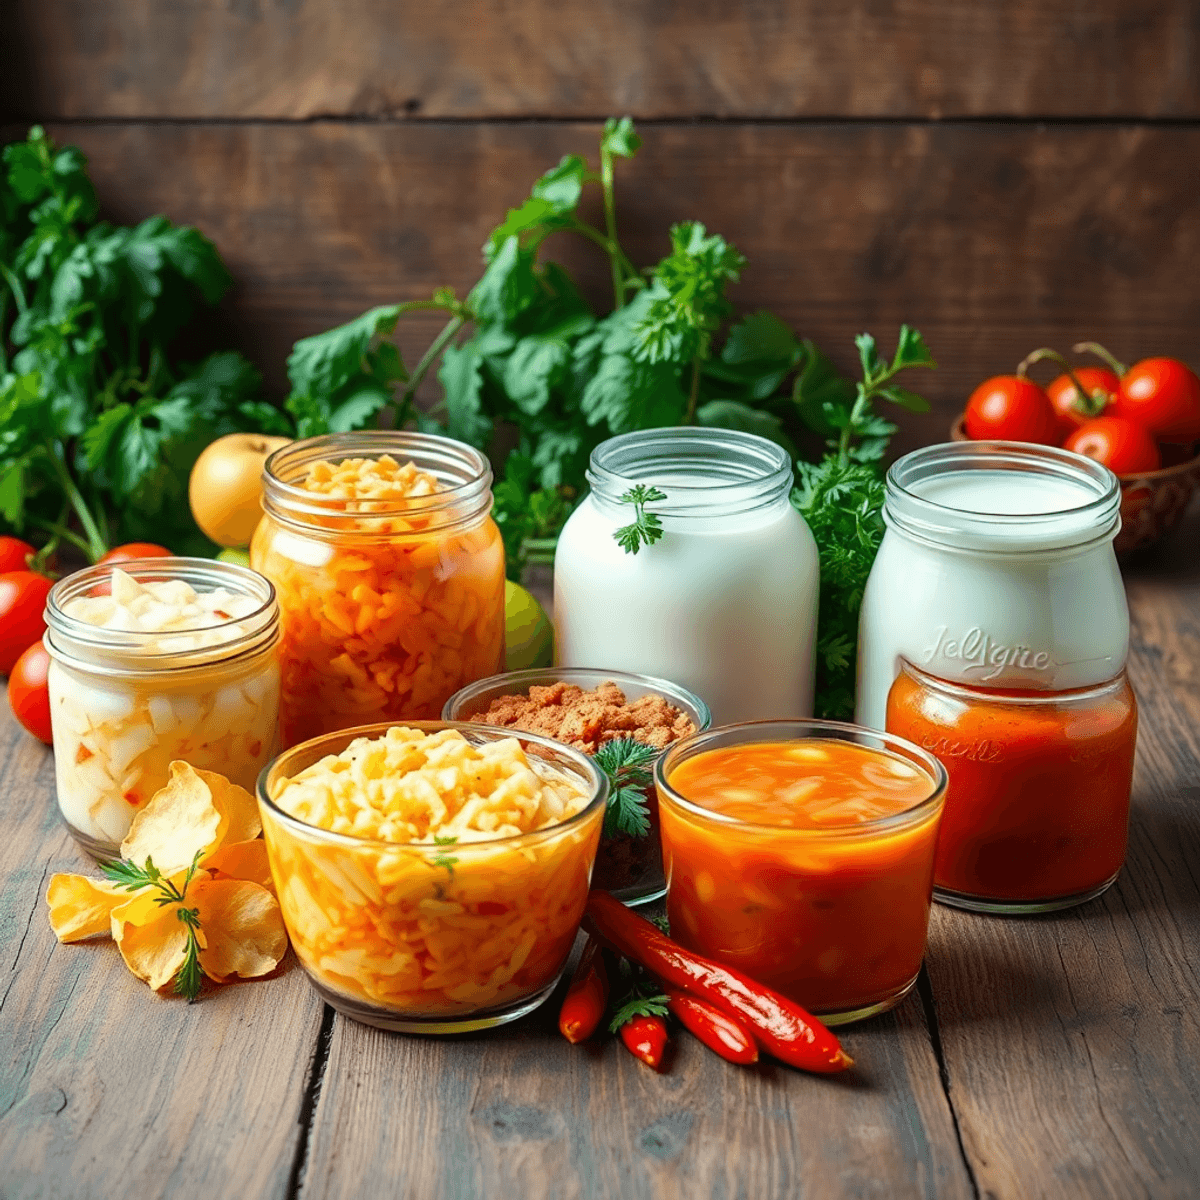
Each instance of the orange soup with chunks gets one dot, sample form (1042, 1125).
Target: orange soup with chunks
(807, 864)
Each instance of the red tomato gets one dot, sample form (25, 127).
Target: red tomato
(22, 602)
(1123, 446)
(135, 550)
(14, 554)
(28, 693)
(1100, 383)
(1013, 409)
(1162, 394)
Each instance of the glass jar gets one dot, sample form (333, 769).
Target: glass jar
(724, 603)
(387, 607)
(995, 618)
(1037, 812)
(628, 866)
(124, 703)
(832, 908)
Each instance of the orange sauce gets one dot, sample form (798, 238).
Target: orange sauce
(1038, 802)
(793, 878)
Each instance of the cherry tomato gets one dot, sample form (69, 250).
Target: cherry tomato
(135, 550)
(1163, 395)
(14, 554)
(1013, 409)
(22, 602)
(28, 694)
(1123, 446)
(1100, 383)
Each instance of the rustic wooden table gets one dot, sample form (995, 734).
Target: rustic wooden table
(1055, 1056)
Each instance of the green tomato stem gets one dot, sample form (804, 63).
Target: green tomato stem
(610, 224)
(1100, 352)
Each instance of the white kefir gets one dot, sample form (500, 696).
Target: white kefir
(996, 570)
(159, 660)
(724, 603)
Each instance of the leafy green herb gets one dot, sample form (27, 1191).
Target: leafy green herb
(645, 527)
(134, 879)
(626, 763)
(638, 1005)
(445, 860)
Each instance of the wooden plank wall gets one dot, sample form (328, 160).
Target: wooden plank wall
(1001, 173)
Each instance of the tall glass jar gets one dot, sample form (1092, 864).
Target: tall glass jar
(125, 703)
(388, 607)
(994, 633)
(724, 603)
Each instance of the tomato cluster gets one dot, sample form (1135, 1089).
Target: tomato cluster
(1118, 415)
(23, 657)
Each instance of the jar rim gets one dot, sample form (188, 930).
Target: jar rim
(464, 470)
(1025, 697)
(734, 471)
(72, 640)
(792, 730)
(1060, 526)
(597, 782)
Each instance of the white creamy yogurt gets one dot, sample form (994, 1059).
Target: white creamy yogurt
(995, 571)
(156, 671)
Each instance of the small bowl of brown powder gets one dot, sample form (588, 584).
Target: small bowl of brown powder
(624, 721)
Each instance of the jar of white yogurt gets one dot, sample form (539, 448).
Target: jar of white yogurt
(157, 660)
(997, 570)
(724, 602)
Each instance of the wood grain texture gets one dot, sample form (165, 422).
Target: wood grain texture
(567, 58)
(519, 1112)
(107, 1090)
(990, 239)
(1071, 1041)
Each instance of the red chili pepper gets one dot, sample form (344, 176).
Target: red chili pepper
(646, 1038)
(583, 1005)
(717, 1030)
(780, 1025)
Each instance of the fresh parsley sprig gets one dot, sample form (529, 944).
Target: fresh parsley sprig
(626, 764)
(134, 879)
(638, 1005)
(445, 860)
(645, 528)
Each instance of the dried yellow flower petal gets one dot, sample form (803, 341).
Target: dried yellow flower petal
(179, 821)
(239, 810)
(81, 907)
(242, 860)
(151, 937)
(244, 927)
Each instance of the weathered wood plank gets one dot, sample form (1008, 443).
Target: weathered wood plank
(761, 58)
(519, 1112)
(1072, 1042)
(991, 239)
(105, 1089)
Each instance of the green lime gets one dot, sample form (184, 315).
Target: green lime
(529, 637)
(235, 555)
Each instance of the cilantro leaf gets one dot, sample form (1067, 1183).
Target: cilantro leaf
(627, 766)
(619, 138)
(638, 1006)
(759, 337)
(911, 351)
(462, 380)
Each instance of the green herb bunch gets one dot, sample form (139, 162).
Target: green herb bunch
(100, 421)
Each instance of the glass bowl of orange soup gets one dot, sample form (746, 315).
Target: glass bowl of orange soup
(801, 852)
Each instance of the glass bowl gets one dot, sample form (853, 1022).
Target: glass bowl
(424, 938)
(627, 866)
(834, 916)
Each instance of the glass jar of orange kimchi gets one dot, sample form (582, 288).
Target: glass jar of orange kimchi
(390, 577)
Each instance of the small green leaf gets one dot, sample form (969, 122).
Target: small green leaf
(868, 355)
(911, 350)
(319, 366)
(638, 1006)
(906, 399)
(732, 414)
(619, 138)
(758, 337)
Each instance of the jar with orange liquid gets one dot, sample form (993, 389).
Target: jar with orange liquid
(390, 577)
(801, 852)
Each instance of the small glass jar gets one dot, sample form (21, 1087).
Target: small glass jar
(415, 938)
(1037, 811)
(125, 704)
(629, 867)
(387, 608)
(724, 602)
(833, 915)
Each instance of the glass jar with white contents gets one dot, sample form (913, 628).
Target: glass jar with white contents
(157, 660)
(724, 602)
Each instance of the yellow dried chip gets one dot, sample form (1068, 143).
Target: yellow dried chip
(81, 907)
(244, 927)
(151, 937)
(239, 810)
(242, 860)
(179, 821)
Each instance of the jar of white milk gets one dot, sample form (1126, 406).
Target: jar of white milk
(996, 571)
(159, 659)
(724, 602)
